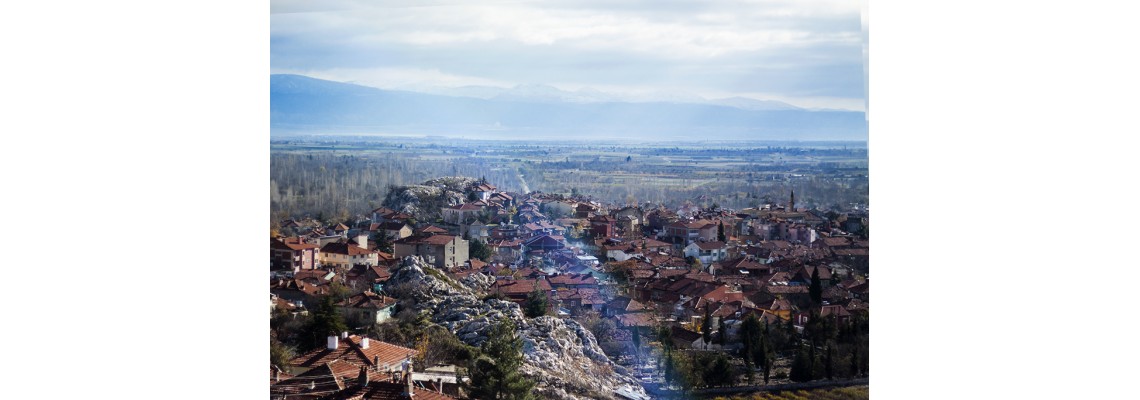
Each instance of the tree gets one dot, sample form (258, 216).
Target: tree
(495, 373)
(536, 303)
(665, 336)
(827, 360)
(326, 322)
(720, 233)
(816, 288)
(280, 354)
(382, 241)
(722, 332)
(706, 326)
(749, 331)
(479, 250)
(801, 366)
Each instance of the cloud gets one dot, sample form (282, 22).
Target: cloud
(791, 48)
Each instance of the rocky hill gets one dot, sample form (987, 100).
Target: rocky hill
(560, 355)
(425, 200)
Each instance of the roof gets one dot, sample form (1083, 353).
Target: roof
(350, 350)
(293, 243)
(519, 286)
(367, 299)
(686, 335)
(432, 229)
(710, 245)
(434, 239)
(318, 381)
(573, 279)
(346, 248)
(697, 224)
(636, 319)
(380, 388)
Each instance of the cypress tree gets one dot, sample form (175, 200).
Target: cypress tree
(816, 288)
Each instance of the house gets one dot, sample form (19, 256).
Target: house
(506, 249)
(572, 281)
(461, 214)
(624, 305)
(345, 255)
(688, 232)
(545, 243)
(359, 350)
(478, 230)
(517, 289)
(686, 339)
(585, 210)
(293, 254)
(442, 251)
(316, 382)
(394, 230)
(502, 198)
(707, 252)
(484, 190)
(366, 308)
(603, 226)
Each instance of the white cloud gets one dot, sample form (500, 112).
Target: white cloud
(791, 48)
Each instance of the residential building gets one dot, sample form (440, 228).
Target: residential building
(442, 251)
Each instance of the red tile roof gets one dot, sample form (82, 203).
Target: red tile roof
(349, 350)
(346, 248)
(380, 388)
(367, 299)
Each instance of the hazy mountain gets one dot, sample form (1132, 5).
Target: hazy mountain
(300, 104)
(753, 104)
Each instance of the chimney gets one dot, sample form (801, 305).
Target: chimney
(276, 374)
(332, 343)
(408, 376)
(362, 379)
(364, 343)
(362, 241)
(376, 361)
(344, 335)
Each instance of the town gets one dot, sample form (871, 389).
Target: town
(454, 288)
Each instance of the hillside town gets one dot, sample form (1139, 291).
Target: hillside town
(653, 301)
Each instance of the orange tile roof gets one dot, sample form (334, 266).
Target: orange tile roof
(349, 350)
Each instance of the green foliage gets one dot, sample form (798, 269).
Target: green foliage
(382, 241)
(477, 249)
(722, 332)
(816, 288)
(438, 346)
(495, 373)
(802, 366)
(280, 354)
(720, 233)
(536, 303)
(325, 322)
(665, 336)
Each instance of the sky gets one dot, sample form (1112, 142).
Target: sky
(806, 53)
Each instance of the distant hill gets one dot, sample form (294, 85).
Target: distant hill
(304, 105)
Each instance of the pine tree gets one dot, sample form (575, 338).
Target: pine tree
(495, 374)
(536, 303)
(706, 326)
(720, 233)
(326, 322)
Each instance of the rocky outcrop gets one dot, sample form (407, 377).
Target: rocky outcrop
(562, 356)
(424, 201)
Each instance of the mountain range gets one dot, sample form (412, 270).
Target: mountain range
(305, 105)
